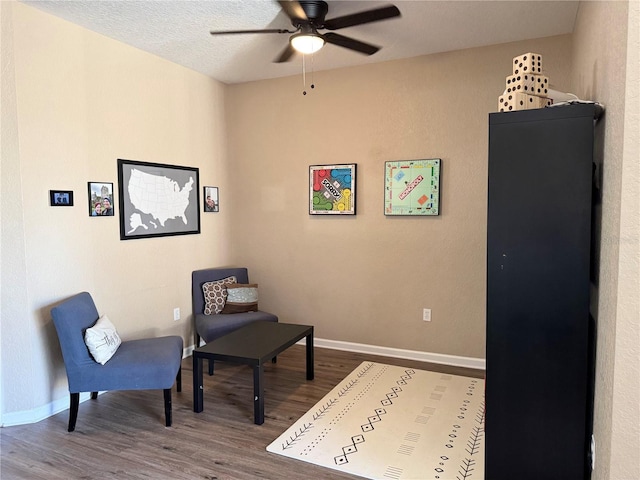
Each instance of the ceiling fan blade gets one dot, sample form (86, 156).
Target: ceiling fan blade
(269, 30)
(293, 9)
(367, 16)
(286, 54)
(350, 43)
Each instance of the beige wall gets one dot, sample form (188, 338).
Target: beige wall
(366, 279)
(606, 69)
(73, 102)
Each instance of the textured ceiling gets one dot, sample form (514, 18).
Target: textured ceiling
(178, 30)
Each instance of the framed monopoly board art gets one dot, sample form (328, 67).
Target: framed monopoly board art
(412, 187)
(332, 189)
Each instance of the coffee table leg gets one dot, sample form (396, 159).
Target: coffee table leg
(310, 373)
(197, 384)
(258, 394)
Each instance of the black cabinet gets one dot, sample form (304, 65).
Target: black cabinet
(539, 377)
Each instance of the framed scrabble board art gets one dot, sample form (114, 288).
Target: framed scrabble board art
(412, 187)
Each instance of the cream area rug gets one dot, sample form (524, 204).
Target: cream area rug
(389, 422)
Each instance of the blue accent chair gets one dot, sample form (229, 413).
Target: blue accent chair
(146, 364)
(210, 327)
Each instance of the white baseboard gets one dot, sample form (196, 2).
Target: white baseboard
(40, 413)
(61, 404)
(439, 358)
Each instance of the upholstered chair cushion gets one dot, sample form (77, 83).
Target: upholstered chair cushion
(151, 363)
(144, 364)
(210, 327)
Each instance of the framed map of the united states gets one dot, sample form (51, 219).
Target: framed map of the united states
(157, 200)
(412, 187)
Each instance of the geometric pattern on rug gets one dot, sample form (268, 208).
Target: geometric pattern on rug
(389, 422)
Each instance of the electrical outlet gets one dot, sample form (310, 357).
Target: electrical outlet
(426, 314)
(176, 314)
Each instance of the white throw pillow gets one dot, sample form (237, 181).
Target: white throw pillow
(102, 340)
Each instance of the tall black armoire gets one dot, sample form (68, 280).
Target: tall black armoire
(540, 336)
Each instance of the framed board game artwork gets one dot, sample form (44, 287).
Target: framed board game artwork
(332, 189)
(412, 187)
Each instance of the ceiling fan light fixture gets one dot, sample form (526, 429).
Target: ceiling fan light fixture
(307, 42)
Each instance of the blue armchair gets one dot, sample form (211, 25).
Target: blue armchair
(210, 327)
(146, 364)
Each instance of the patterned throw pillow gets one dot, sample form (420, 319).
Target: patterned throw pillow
(215, 295)
(102, 340)
(241, 298)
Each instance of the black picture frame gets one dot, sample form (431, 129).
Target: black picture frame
(61, 198)
(100, 196)
(211, 197)
(157, 200)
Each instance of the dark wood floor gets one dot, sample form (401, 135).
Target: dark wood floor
(122, 434)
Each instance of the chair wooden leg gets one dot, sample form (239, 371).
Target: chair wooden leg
(74, 401)
(179, 380)
(94, 395)
(167, 406)
(210, 367)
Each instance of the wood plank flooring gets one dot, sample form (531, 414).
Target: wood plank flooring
(122, 434)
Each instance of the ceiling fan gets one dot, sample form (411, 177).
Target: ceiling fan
(308, 16)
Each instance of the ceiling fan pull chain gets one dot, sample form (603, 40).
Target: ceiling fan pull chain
(304, 75)
(313, 56)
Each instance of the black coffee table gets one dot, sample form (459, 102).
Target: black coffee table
(253, 344)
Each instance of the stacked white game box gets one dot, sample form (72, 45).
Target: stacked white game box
(526, 88)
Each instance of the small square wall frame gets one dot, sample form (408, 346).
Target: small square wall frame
(412, 187)
(61, 198)
(332, 189)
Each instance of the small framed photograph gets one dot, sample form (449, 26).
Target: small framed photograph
(61, 198)
(332, 189)
(211, 199)
(412, 187)
(100, 199)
